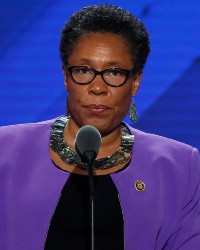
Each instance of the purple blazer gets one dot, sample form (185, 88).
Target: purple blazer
(166, 215)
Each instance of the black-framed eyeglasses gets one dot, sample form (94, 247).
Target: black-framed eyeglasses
(114, 77)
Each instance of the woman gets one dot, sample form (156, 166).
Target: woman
(146, 187)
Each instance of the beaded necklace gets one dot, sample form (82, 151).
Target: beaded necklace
(58, 145)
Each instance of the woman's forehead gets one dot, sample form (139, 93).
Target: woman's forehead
(100, 47)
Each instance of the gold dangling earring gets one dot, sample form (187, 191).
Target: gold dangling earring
(133, 111)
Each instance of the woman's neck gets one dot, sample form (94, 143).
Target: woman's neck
(110, 142)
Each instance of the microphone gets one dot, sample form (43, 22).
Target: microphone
(87, 144)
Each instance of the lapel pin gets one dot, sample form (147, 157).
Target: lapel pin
(139, 186)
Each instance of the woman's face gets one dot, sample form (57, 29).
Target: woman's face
(96, 103)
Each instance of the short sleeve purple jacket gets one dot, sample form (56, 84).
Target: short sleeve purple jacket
(165, 215)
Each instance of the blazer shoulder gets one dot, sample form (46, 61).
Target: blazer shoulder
(13, 137)
(159, 141)
(25, 127)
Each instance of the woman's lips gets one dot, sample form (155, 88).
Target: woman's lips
(94, 108)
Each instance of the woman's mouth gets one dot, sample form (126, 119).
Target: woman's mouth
(97, 108)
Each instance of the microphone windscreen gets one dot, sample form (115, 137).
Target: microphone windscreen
(88, 138)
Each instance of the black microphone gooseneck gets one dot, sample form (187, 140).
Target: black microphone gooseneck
(87, 144)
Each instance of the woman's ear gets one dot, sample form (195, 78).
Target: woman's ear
(136, 83)
(65, 74)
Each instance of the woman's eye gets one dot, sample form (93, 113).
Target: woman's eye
(83, 71)
(115, 72)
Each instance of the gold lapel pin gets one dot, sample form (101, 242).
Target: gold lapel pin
(139, 186)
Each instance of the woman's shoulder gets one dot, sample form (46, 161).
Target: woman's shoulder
(154, 153)
(164, 151)
(24, 128)
(158, 141)
(13, 137)
(21, 142)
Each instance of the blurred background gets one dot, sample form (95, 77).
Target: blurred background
(31, 80)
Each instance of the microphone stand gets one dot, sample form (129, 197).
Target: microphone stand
(89, 165)
(91, 186)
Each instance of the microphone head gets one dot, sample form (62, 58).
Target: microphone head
(87, 143)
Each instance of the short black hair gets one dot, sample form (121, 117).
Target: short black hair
(106, 18)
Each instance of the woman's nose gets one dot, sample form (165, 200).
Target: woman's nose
(98, 86)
